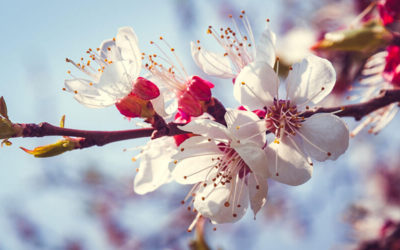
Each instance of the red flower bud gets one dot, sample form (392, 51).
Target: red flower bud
(200, 88)
(391, 73)
(132, 106)
(145, 89)
(189, 104)
(389, 11)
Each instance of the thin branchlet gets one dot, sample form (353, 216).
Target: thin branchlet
(100, 138)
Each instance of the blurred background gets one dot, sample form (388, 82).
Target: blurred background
(84, 199)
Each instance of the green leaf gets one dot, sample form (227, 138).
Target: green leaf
(3, 108)
(367, 39)
(54, 149)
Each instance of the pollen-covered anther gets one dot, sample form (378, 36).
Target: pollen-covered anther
(243, 83)
(175, 162)
(237, 127)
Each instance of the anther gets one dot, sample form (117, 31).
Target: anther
(226, 204)
(182, 149)
(234, 215)
(329, 153)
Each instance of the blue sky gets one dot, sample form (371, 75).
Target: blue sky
(39, 35)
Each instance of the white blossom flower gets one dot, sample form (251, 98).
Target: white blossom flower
(227, 166)
(240, 50)
(297, 138)
(155, 163)
(373, 82)
(111, 71)
(191, 93)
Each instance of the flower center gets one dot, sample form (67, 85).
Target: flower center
(283, 118)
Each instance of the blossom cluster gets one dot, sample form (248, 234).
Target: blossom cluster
(227, 159)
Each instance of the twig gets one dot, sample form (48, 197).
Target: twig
(100, 138)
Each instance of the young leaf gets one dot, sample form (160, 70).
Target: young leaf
(3, 108)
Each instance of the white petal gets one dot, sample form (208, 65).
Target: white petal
(89, 95)
(159, 106)
(310, 81)
(213, 205)
(154, 165)
(82, 86)
(291, 164)
(258, 190)
(128, 45)
(195, 160)
(255, 158)
(211, 63)
(256, 86)
(245, 125)
(266, 48)
(115, 80)
(207, 128)
(326, 136)
(109, 51)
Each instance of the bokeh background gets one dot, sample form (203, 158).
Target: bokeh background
(84, 199)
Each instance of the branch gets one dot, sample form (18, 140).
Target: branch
(100, 138)
(96, 138)
(359, 110)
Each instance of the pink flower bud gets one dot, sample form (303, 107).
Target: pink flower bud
(189, 104)
(200, 88)
(145, 89)
(391, 72)
(389, 11)
(132, 106)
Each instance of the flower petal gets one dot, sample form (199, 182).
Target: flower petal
(89, 95)
(290, 164)
(207, 128)
(258, 190)
(159, 106)
(219, 205)
(115, 80)
(212, 64)
(266, 48)
(246, 125)
(128, 44)
(256, 85)
(195, 160)
(310, 81)
(154, 165)
(325, 136)
(255, 158)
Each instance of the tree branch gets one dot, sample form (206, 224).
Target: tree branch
(359, 110)
(100, 138)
